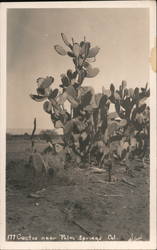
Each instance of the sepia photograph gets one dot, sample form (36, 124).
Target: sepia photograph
(78, 151)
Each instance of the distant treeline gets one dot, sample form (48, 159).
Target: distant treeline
(43, 135)
(18, 136)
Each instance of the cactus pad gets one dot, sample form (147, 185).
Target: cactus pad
(45, 82)
(65, 40)
(47, 107)
(76, 49)
(92, 72)
(93, 52)
(53, 93)
(59, 49)
(38, 98)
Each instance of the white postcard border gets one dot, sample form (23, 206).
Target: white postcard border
(79, 245)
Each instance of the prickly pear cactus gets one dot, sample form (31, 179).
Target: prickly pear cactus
(89, 118)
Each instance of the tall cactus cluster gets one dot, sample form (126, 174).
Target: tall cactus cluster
(129, 102)
(89, 120)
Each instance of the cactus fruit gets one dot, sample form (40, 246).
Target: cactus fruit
(59, 49)
(92, 72)
(47, 107)
(93, 52)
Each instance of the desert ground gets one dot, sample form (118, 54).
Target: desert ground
(79, 204)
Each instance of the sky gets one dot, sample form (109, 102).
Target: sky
(122, 35)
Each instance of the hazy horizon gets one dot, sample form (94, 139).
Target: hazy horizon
(22, 130)
(121, 34)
